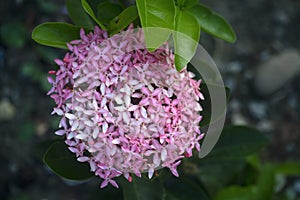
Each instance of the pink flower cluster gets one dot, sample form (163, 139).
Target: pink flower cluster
(123, 109)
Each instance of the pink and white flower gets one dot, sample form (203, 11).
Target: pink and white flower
(123, 109)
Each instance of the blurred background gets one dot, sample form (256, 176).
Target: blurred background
(262, 69)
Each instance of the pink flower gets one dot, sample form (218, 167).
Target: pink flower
(128, 108)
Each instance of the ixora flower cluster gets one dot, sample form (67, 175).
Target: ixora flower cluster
(123, 109)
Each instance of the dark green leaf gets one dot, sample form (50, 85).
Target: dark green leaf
(213, 23)
(237, 193)
(186, 38)
(249, 175)
(186, 4)
(63, 162)
(78, 15)
(90, 11)
(142, 189)
(106, 11)
(41, 148)
(216, 174)
(160, 15)
(94, 3)
(55, 34)
(206, 103)
(185, 187)
(207, 90)
(237, 141)
(123, 20)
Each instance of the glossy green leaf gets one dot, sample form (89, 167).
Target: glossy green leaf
(186, 4)
(213, 23)
(159, 15)
(55, 34)
(123, 20)
(289, 168)
(185, 187)
(237, 193)
(142, 189)
(106, 11)
(78, 15)
(90, 11)
(63, 162)
(237, 141)
(185, 38)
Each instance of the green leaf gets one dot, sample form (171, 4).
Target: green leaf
(55, 34)
(185, 38)
(106, 11)
(254, 161)
(90, 11)
(266, 183)
(213, 23)
(41, 148)
(63, 162)
(237, 193)
(185, 187)
(206, 103)
(123, 20)
(142, 189)
(78, 15)
(186, 4)
(159, 15)
(249, 175)
(289, 168)
(216, 174)
(237, 141)
(94, 3)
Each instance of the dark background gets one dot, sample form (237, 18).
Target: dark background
(265, 30)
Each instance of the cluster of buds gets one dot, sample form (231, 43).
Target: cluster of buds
(123, 109)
